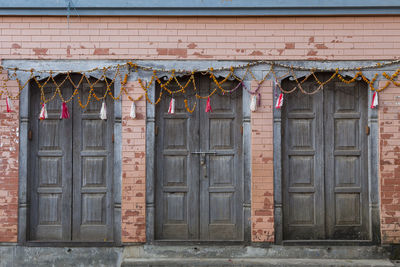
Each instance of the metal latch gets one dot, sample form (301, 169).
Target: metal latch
(203, 161)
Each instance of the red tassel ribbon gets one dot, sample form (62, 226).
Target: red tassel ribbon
(171, 108)
(43, 112)
(374, 103)
(279, 101)
(64, 112)
(9, 104)
(208, 106)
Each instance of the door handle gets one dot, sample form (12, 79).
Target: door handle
(203, 164)
(202, 159)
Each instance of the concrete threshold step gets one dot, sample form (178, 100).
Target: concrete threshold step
(249, 252)
(254, 262)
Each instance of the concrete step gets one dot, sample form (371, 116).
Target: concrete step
(255, 262)
(270, 252)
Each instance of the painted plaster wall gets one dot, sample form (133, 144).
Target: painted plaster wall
(212, 38)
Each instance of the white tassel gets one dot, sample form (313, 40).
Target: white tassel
(374, 103)
(253, 103)
(43, 112)
(10, 106)
(171, 109)
(279, 101)
(276, 84)
(133, 110)
(103, 111)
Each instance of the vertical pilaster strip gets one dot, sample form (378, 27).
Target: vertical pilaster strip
(277, 171)
(373, 170)
(150, 164)
(23, 203)
(247, 162)
(117, 187)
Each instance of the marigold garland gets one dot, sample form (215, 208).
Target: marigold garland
(165, 86)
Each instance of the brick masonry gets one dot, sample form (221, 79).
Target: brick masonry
(262, 201)
(8, 165)
(389, 142)
(234, 38)
(133, 167)
(196, 38)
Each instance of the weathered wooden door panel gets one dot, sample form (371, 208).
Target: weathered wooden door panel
(346, 161)
(92, 169)
(199, 174)
(324, 163)
(50, 161)
(303, 165)
(221, 183)
(177, 168)
(71, 169)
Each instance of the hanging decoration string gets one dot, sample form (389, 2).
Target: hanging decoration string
(175, 86)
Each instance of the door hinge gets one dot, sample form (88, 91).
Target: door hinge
(367, 130)
(241, 129)
(112, 138)
(29, 134)
(156, 130)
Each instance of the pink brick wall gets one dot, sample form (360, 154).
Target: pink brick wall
(196, 38)
(133, 167)
(262, 194)
(8, 165)
(334, 38)
(389, 134)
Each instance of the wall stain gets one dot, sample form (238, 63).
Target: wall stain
(336, 40)
(290, 45)
(69, 51)
(321, 46)
(312, 52)
(191, 45)
(40, 51)
(101, 51)
(256, 53)
(180, 52)
(201, 55)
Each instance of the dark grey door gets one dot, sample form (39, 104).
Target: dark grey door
(325, 182)
(199, 183)
(71, 168)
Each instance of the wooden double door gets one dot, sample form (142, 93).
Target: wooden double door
(324, 164)
(199, 176)
(70, 168)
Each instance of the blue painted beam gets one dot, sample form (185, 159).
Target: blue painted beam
(198, 7)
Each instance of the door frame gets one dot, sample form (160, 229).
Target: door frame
(151, 179)
(373, 179)
(23, 190)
